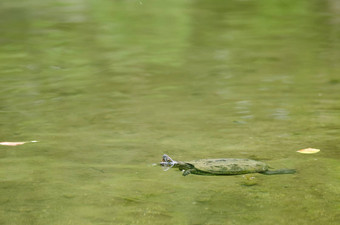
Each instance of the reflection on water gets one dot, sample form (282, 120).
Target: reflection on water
(108, 87)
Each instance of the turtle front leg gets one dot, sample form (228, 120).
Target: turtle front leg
(188, 171)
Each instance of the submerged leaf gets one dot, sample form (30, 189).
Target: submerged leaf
(309, 150)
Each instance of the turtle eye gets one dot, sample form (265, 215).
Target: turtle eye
(165, 159)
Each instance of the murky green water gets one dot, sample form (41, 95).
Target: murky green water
(107, 87)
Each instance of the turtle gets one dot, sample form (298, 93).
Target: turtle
(223, 166)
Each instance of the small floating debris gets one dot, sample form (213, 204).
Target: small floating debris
(308, 150)
(249, 180)
(16, 143)
(248, 177)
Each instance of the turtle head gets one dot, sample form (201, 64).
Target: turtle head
(167, 162)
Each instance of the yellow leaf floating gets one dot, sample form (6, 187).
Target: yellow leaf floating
(309, 150)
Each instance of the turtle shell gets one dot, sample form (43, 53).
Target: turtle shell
(229, 166)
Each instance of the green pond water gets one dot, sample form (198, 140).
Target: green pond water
(107, 87)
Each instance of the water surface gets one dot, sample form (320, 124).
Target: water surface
(107, 87)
